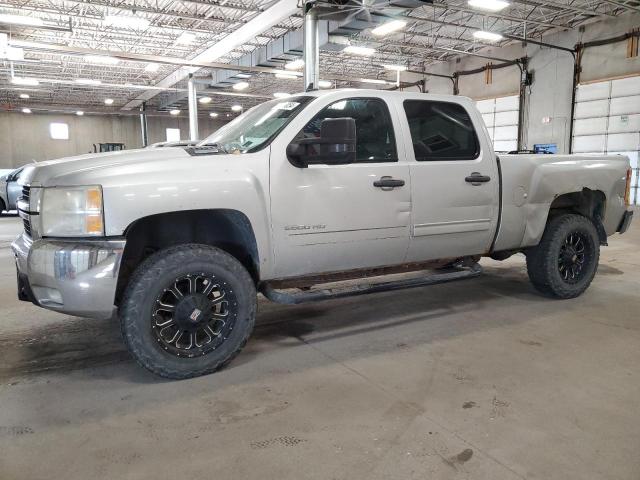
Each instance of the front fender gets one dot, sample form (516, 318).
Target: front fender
(233, 182)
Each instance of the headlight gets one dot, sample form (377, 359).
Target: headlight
(72, 212)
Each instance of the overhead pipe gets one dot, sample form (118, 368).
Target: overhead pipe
(144, 130)
(193, 109)
(311, 49)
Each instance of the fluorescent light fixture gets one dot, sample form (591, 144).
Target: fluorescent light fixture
(187, 38)
(108, 101)
(79, 113)
(325, 84)
(24, 96)
(281, 95)
(286, 76)
(26, 110)
(487, 36)
(152, 67)
(359, 50)
(395, 68)
(205, 100)
(236, 108)
(21, 20)
(240, 86)
(295, 64)
(389, 27)
(127, 21)
(175, 112)
(373, 80)
(102, 59)
(489, 5)
(88, 81)
(31, 82)
(213, 114)
(243, 75)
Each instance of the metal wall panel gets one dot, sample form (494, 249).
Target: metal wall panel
(617, 142)
(625, 87)
(506, 118)
(592, 91)
(624, 124)
(589, 144)
(501, 116)
(625, 105)
(590, 126)
(592, 108)
(506, 133)
(505, 146)
(486, 106)
(607, 120)
(504, 104)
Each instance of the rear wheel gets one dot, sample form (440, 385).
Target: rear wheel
(187, 311)
(565, 261)
(3, 207)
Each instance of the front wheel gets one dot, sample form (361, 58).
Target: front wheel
(565, 261)
(187, 311)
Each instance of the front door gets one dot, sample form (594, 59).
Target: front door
(454, 180)
(329, 218)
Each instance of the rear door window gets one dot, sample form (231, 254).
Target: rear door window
(441, 131)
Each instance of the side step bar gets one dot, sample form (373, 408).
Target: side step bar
(288, 298)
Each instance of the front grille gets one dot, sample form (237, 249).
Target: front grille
(26, 218)
(26, 193)
(27, 226)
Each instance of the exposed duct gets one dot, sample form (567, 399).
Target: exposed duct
(279, 11)
(337, 20)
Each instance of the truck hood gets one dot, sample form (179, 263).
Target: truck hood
(72, 170)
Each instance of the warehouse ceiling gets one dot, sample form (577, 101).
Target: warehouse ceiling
(82, 53)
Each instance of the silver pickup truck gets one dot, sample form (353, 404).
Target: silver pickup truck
(295, 194)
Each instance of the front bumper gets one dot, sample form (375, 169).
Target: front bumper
(626, 221)
(76, 277)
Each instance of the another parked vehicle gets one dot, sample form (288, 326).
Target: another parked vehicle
(10, 190)
(296, 193)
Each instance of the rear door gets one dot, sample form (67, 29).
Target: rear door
(454, 179)
(333, 217)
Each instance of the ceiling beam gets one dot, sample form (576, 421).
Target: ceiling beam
(139, 57)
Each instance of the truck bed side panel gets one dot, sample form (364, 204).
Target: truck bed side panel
(530, 183)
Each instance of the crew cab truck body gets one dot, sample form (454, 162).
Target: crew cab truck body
(298, 192)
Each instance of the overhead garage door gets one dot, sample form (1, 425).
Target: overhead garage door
(500, 115)
(607, 120)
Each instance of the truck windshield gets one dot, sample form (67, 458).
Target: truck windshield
(256, 128)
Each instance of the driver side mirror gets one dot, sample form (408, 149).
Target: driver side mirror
(335, 146)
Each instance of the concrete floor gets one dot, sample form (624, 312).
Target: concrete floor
(481, 379)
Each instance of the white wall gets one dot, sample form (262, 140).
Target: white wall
(25, 137)
(550, 93)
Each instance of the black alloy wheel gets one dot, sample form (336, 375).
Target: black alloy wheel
(188, 310)
(194, 314)
(565, 261)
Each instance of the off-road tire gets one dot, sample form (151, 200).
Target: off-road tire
(154, 274)
(543, 260)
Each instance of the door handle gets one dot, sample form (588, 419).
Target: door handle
(388, 183)
(477, 178)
